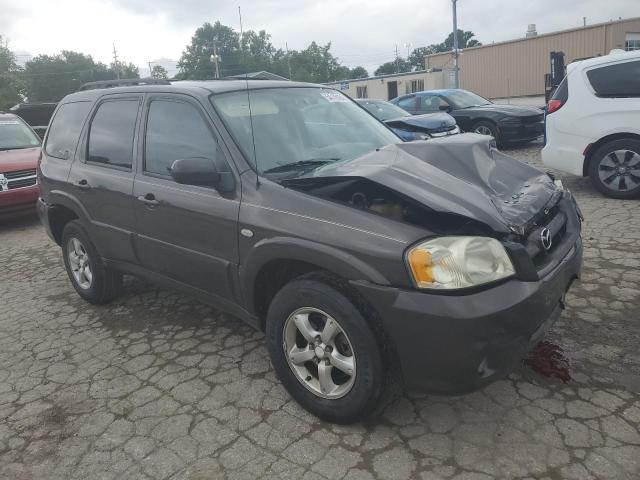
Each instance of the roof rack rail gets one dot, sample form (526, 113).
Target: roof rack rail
(125, 82)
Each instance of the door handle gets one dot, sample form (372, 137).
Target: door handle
(83, 184)
(149, 199)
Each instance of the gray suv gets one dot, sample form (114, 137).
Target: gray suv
(291, 207)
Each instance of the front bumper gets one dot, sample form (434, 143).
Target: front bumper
(19, 202)
(520, 132)
(458, 343)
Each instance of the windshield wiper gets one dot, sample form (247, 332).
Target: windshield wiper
(312, 162)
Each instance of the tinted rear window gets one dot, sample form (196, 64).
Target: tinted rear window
(111, 133)
(619, 80)
(562, 92)
(65, 129)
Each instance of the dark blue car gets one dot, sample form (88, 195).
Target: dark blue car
(411, 127)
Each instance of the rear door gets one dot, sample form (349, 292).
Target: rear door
(102, 177)
(185, 232)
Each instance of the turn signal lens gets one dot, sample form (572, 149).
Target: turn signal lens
(458, 262)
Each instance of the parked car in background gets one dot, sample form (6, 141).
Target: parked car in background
(37, 115)
(473, 113)
(289, 206)
(19, 151)
(411, 127)
(593, 123)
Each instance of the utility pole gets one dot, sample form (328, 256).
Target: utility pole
(215, 58)
(288, 59)
(397, 58)
(150, 71)
(456, 70)
(116, 65)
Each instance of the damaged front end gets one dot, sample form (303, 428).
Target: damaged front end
(460, 187)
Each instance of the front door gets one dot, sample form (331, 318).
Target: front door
(103, 175)
(392, 90)
(184, 232)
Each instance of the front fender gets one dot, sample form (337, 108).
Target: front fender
(326, 257)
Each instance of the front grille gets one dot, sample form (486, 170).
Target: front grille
(19, 179)
(556, 221)
(20, 173)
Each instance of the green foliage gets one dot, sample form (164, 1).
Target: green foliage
(10, 84)
(158, 71)
(415, 61)
(254, 52)
(400, 65)
(51, 77)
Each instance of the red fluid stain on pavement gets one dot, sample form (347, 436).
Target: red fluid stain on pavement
(548, 359)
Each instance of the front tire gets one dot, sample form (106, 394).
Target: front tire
(615, 169)
(324, 351)
(91, 279)
(485, 127)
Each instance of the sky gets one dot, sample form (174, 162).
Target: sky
(361, 32)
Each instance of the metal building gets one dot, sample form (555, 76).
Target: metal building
(516, 68)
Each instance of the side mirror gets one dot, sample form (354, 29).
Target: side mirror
(446, 108)
(196, 171)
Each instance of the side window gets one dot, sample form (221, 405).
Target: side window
(111, 133)
(65, 129)
(431, 103)
(619, 80)
(177, 130)
(408, 103)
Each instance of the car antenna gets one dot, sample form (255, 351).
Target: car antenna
(246, 80)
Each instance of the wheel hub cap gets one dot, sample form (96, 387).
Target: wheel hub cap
(620, 170)
(319, 353)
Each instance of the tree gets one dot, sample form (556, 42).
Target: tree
(126, 70)
(465, 40)
(416, 59)
(358, 72)
(158, 71)
(10, 84)
(400, 65)
(195, 62)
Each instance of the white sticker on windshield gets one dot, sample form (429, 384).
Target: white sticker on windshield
(334, 96)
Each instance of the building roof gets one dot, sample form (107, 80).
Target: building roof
(540, 35)
(389, 75)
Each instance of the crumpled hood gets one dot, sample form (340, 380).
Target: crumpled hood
(429, 121)
(463, 175)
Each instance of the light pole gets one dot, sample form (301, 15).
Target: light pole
(456, 70)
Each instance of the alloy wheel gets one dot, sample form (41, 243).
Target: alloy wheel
(483, 130)
(79, 263)
(620, 170)
(319, 353)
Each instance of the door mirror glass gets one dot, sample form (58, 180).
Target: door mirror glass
(445, 108)
(195, 171)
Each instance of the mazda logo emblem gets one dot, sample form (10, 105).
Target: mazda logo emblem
(545, 238)
(4, 183)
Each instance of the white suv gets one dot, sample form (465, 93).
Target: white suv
(593, 123)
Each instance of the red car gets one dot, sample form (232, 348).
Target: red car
(19, 151)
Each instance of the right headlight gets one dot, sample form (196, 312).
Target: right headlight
(458, 262)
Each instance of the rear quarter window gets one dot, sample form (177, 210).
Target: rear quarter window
(621, 80)
(65, 129)
(562, 92)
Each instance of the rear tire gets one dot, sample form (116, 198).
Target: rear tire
(93, 281)
(614, 169)
(321, 308)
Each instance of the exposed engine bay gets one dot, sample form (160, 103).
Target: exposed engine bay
(365, 194)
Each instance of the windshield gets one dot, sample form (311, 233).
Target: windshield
(384, 111)
(14, 135)
(301, 128)
(465, 99)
